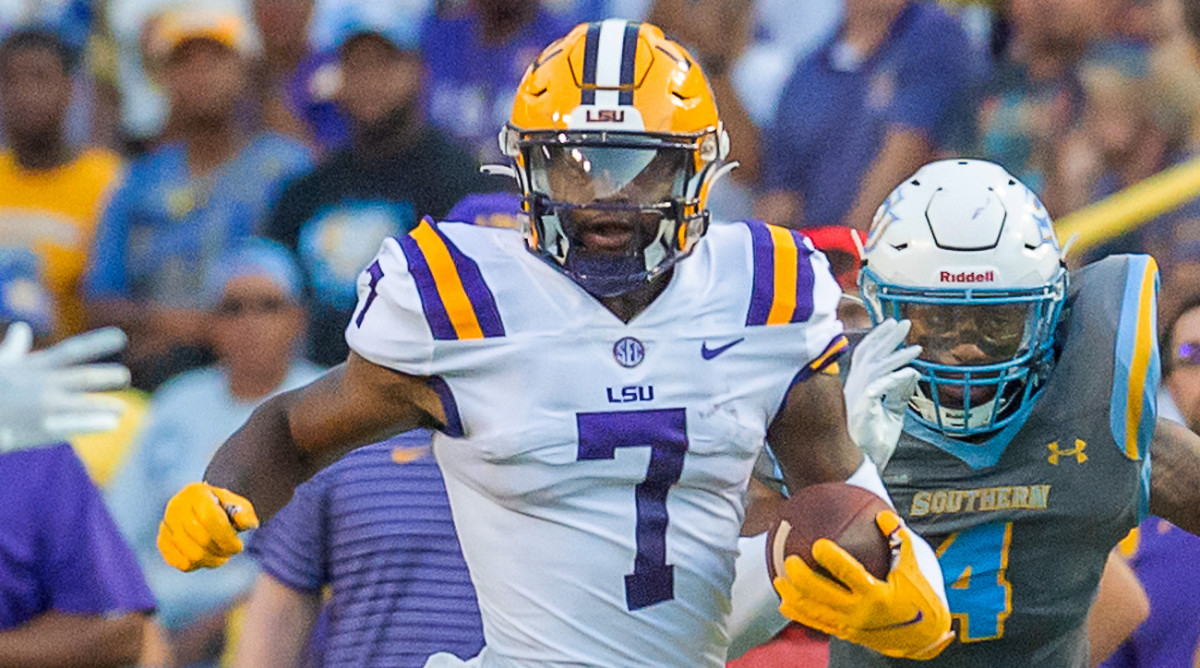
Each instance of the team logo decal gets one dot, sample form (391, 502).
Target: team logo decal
(629, 352)
(884, 217)
(1057, 453)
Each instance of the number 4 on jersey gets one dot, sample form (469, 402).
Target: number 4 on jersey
(974, 562)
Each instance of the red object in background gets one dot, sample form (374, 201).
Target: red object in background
(843, 246)
(795, 646)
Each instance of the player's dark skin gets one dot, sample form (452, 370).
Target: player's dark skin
(292, 436)
(1175, 475)
(1174, 449)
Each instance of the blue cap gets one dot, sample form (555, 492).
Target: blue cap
(397, 21)
(22, 295)
(255, 257)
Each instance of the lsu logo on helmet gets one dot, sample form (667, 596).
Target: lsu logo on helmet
(615, 118)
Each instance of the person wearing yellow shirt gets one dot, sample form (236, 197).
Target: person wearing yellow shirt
(51, 194)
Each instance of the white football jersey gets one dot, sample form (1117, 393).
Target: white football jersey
(596, 468)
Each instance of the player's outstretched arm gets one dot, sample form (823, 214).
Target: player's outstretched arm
(286, 440)
(904, 616)
(1175, 475)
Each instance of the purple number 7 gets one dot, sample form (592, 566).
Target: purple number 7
(665, 433)
(376, 273)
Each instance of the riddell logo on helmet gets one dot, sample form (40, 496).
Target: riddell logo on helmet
(968, 277)
(605, 116)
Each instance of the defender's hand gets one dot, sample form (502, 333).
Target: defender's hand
(878, 388)
(902, 617)
(199, 528)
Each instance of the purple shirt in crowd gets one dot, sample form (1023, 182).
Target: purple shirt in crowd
(376, 528)
(59, 549)
(835, 110)
(472, 84)
(1167, 563)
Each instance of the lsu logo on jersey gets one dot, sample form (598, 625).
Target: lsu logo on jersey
(630, 394)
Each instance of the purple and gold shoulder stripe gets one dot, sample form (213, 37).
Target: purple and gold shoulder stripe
(458, 304)
(826, 362)
(783, 276)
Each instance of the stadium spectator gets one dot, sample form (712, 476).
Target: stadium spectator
(1166, 558)
(129, 27)
(283, 27)
(255, 324)
(717, 34)
(1034, 97)
(1180, 398)
(777, 41)
(51, 195)
(396, 169)
(1131, 128)
(863, 112)
(375, 529)
(187, 202)
(476, 55)
(574, 12)
(91, 117)
(72, 591)
(298, 83)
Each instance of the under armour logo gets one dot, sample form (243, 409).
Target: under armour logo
(1076, 452)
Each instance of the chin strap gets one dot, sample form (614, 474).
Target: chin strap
(722, 171)
(938, 414)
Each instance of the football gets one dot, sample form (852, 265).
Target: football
(838, 511)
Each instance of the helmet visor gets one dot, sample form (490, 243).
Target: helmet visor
(583, 175)
(971, 334)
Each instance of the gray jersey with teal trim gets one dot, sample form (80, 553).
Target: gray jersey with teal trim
(1022, 523)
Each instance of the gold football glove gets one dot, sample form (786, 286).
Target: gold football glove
(199, 528)
(901, 617)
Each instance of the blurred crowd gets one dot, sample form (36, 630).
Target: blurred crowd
(146, 138)
(212, 177)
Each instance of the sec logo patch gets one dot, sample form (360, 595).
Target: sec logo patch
(629, 352)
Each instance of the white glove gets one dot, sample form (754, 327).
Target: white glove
(44, 395)
(878, 388)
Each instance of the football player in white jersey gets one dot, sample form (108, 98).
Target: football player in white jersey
(602, 385)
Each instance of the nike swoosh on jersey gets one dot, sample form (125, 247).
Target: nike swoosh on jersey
(709, 353)
(915, 620)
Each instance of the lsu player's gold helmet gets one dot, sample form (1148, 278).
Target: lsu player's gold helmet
(616, 141)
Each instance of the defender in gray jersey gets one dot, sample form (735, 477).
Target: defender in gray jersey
(1025, 450)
